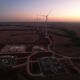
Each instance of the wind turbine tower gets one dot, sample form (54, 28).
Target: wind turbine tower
(46, 30)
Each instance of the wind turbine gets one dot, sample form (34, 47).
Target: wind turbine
(46, 17)
(38, 21)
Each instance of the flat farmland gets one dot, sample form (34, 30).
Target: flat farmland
(65, 36)
(17, 36)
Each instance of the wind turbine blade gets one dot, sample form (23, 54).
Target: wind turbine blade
(49, 13)
(43, 15)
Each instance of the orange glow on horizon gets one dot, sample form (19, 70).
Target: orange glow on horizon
(28, 10)
(64, 18)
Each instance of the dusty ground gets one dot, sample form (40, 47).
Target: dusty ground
(62, 42)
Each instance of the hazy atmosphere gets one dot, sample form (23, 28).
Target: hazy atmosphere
(29, 10)
(39, 39)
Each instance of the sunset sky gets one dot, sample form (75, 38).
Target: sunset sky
(30, 10)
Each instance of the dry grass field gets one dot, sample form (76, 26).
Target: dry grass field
(65, 37)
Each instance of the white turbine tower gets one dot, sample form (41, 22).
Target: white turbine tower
(46, 30)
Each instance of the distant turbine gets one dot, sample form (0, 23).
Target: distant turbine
(46, 16)
(38, 22)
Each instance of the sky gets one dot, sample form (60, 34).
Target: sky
(30, 10)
